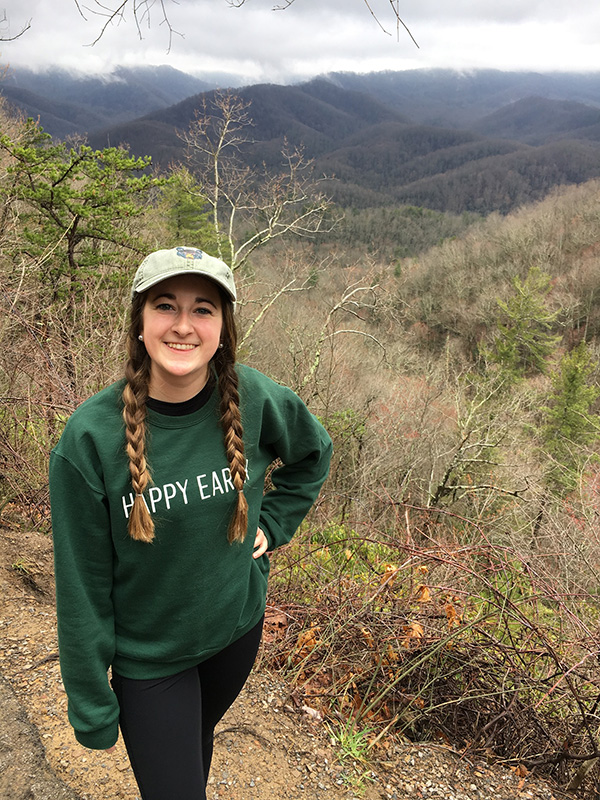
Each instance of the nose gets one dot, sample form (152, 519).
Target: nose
(183, 323)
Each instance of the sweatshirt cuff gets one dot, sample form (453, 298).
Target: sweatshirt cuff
(273, 531)
(101, 739)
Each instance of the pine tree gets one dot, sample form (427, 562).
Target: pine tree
(73, 202)
(525, 339)
(76, 209)
(187, 213)
(570, 427)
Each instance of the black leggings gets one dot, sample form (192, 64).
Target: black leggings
(168, 723)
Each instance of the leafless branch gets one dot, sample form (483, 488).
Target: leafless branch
(274, 297)
(395, 6)
(267, 206)
(354, 297)
(4, 22)
(141, 10)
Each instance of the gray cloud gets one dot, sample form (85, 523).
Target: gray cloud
(312, 36)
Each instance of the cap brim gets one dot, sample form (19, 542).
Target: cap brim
(148, 284)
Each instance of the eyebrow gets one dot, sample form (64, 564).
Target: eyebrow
(171, 296)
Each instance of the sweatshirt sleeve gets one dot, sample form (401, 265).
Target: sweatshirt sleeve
(83, 556)
(304, 447)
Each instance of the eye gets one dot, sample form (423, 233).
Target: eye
(164, 307)
(203, 311)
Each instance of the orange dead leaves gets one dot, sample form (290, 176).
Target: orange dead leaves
(454, 616)
(391, 655)
(413, 633)
(275, 625)
(367, 637)
(305, 644)
(521, 772)
(423, 594)
(388, 576)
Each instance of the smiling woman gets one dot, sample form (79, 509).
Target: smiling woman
(162, 526)
(181, 330)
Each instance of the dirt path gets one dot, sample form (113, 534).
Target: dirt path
(266, 747)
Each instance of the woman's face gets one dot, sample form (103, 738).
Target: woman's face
(181, 325)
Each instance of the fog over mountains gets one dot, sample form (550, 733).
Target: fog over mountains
(481, 141)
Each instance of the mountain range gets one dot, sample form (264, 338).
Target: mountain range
(70, 103)
(481, 141)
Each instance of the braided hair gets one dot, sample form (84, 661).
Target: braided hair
(135, 394)
(231, 419)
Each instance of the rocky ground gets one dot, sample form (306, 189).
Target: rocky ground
(267, 747)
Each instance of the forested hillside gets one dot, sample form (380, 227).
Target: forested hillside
(445, 587)
(374, 156)
(535, 120)
(482, 142)
(69, 104)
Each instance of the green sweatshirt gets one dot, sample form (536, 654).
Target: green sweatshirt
(152, 610)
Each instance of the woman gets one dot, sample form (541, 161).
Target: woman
(161, 525)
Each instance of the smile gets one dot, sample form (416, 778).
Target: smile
(180, 346)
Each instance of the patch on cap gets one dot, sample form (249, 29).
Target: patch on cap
(191, 253)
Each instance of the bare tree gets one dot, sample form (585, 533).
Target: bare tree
(143, 11)
(470, 459)
(250, 208)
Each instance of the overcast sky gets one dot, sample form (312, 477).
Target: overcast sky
(309, 37)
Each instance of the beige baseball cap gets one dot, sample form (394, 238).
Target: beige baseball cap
(162, 264)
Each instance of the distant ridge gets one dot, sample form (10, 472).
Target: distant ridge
(69, 103)
(455, 98)
(483, 141)
(536, 120)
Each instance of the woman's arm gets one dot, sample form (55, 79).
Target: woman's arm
(304, 448)
(83, 557)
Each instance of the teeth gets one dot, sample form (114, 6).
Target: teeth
(177, 346)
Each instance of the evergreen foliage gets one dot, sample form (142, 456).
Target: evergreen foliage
(570, 427)
(187, 212)
(525, 338)
(75, 202)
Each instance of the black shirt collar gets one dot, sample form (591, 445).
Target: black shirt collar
(188, 406)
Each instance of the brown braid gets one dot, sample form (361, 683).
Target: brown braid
(135, 394)
(231, 420)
